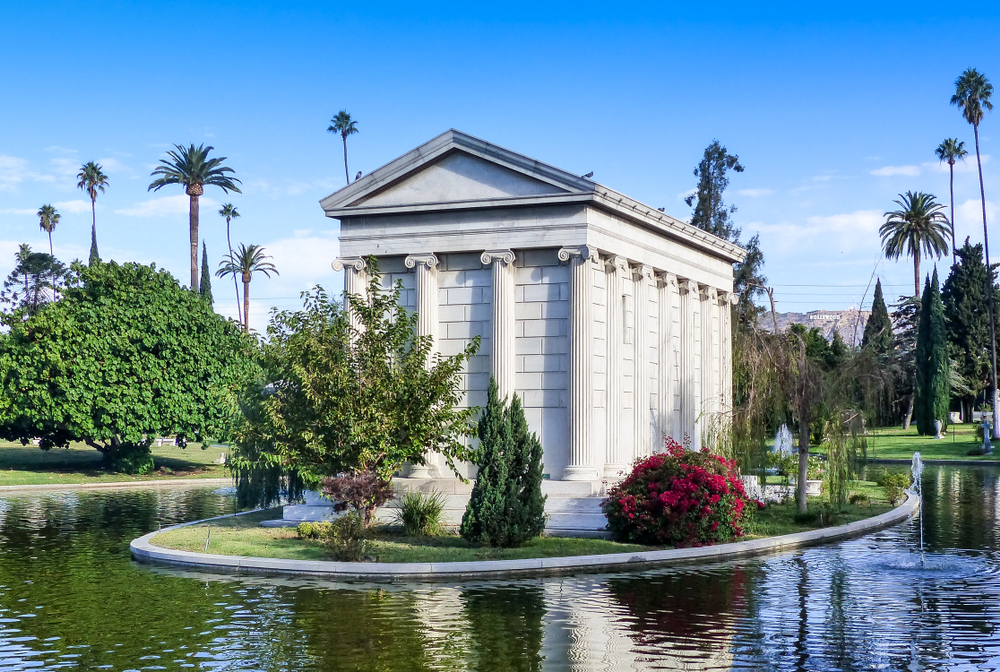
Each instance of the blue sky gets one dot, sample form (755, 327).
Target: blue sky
(833, 111)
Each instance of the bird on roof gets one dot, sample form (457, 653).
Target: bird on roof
(661, 209)
(589, 175)
(358, 176)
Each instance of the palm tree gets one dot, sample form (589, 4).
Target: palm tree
(951, 150)
(228, 211)
(972, 94)
(246, 261)
(918, 226)
(343, 124)
(47, 220)
(92, 179)
(191, 167)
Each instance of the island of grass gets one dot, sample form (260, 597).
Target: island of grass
(81, 464)
(895, 443)
(243, 535)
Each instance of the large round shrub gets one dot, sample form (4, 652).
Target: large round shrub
(679, 498)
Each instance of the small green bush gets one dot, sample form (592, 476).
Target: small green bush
(893, 486)
(345, 539)
(420, 514)
(308, 530)
(860, 499)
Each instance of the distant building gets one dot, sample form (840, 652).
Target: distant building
(609, 318)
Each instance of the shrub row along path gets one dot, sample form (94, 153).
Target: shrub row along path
(148, 549)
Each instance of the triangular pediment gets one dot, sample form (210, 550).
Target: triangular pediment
(459, 176)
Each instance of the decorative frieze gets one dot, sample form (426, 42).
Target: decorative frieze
(581, 466)
(502, 329)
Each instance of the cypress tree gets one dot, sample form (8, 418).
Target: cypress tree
(967, 319)
(95, 258)
(506, 508)
(206, 282)
(878, 330)
(933, 385)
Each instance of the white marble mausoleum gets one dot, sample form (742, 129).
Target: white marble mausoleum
(609, 318)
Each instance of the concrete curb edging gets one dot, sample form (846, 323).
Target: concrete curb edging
(930, 461)
(117, 484)
(144, 551)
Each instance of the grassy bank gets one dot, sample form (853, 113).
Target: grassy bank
(898, 444)
(30, 465)
(242, 535)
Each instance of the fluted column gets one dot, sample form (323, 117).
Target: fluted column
(641, 425)
(709, 352)
(581, 465)
(355, 282)
(427, 321)
(665, 357)
(726, 302)
(615, 458)
(689, 401)
(502, 325)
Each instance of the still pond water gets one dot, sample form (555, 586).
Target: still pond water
(71, 598)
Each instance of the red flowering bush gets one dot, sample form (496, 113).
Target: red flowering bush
(679, 498)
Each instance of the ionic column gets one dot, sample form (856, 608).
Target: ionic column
(427, 321)
(355, 282)
(709, 391)
(615, 458)
(502, 325)
(641, 424)
(581, 465)
(689, 402)
(665, 358)
(727, 301)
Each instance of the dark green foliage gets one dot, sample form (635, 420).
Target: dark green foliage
(507, 507)
(95, 256)
(710, 212)
(124, 356)
(335, 400)
(967, 318)
(878, 330)
(35, 281)
(933, 388)
(206, 276)
(419, 513)
(748, 284)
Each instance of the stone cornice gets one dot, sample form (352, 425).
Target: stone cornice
(429, 260)
(489, 256)
(340, 263)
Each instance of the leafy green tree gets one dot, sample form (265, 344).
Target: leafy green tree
(191, 168)
(48, 218)
(917, 227)
(933, 391)
(507, 507)
(206, 276)
(905, 316)
(878, 329)
(336, 400)
(951, 150)
(343, 124)
(124, 356)
(92, 179)
(748, 284)
(967, 317)
(34, 282)
(229, 212)
(972, 96)
(246, 262)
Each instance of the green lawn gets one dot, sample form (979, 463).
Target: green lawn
(896, 443)
(242, 535)
(30, 465)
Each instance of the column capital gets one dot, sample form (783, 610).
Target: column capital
(429, 260)
(340, 263)
(728, 297)
(687, 285)
(616, 264)
(583, 251)
(489, 256)
(669, 279)
(644, 271)
(709, 292)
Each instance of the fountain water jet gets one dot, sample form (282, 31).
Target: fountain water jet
(917, 469)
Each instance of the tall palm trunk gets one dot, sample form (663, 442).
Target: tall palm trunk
(194, 191)
(916, 275)
(93, 221)
(246, 303)
(235, 284)
(989, 290)
(951, 169)
(346, 173)
(51, 253)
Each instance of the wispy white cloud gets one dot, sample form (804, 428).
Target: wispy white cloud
(754, 193)
(890, 171)
(112, 165)
(961, 167)
(17, 211)
(840, 232)
(165, 205)
(74, 207)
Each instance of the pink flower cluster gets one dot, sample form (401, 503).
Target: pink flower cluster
(678, 498)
